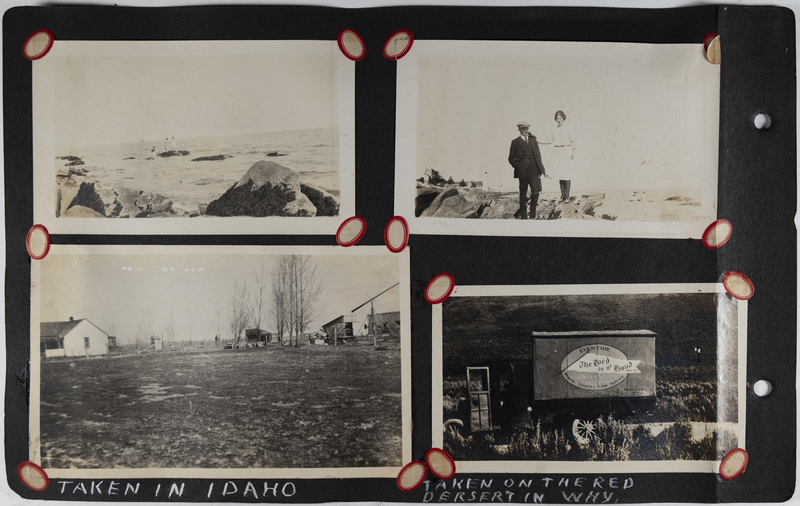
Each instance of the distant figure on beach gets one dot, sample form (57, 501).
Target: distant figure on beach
(153, 152)
(166, 144)
(563, 154)
(173, 144)
(526, 159)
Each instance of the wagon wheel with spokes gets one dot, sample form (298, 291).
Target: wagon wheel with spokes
(583, 430)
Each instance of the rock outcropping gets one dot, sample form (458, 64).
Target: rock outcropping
(269, 189)
(173, 152)
(211, 158)
(104, 201)
(436, 202)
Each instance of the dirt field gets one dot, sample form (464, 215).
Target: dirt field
(272, 407)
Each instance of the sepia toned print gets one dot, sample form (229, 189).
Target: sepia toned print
(202, 130)
(587, 139)
(216, 362)
(633, 377)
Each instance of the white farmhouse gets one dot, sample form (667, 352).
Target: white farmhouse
(75, 338)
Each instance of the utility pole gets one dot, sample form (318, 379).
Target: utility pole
(372, 313)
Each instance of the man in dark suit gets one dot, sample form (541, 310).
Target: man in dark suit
(526, 159)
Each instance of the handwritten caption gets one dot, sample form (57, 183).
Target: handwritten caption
(176, 490)
(596, 490)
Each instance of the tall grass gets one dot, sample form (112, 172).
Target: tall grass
(614, 440)
(539, 444)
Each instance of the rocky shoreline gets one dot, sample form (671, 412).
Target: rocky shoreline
(267, 189)
(471, 203)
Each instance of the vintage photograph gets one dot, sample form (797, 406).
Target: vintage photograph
(644, 376)
(588, 139)
(198, 129)
(284, 359)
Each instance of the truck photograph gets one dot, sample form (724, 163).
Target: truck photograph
(589, 377)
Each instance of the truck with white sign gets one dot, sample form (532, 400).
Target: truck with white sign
(571, 379)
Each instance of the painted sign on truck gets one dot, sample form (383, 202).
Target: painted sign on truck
(591, 365)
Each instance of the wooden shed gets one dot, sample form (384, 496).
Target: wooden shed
(255, 336)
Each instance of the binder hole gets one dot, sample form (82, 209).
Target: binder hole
(763, 121)
(762, 388)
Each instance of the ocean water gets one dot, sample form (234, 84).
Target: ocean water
(313, 154)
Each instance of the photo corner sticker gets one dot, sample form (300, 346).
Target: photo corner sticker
(717, 234)
(38, 242)
(411, 476)
(351, 44)
(440, 463)
(351, 231)
(439, 288)
(733, 464)
(738, 285)
(33, 476)
(38, 44)
(395, 235)
(711, 47)
(398, 44)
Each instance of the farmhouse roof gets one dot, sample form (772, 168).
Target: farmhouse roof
(642, 332)
(341, 317)
(332, 321)
(50, 330)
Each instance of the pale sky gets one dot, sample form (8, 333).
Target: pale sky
(109, 93)
(641, 114)
(127, 303)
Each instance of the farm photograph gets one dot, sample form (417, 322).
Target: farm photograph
(601, 377)
(252, 358)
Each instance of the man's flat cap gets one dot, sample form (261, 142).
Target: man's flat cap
(523, 124)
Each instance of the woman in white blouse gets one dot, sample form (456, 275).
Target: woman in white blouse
(561, 165)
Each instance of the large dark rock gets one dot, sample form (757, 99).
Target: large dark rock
(424, 198)
(588, 204)
(500, 209)
(263, 172)
(89, 198)
(70, 158)
(326, 204)
(211, 158)
(456, 206)
(112, 203)
(76, 162)
(267, 189)
(265, 200)
(173, 152)
(139, 204)
(431, 210)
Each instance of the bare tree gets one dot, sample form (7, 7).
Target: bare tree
(279, 304)
(240, 312)
(297, 290)
(260, 292)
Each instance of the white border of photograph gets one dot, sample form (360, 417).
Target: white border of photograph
(545, 76)
(541, 466)
(44, 149)
(403, 261)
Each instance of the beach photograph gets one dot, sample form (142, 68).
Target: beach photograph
(245, 358)
(595, 377)
(602, 138)
(195, 129)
